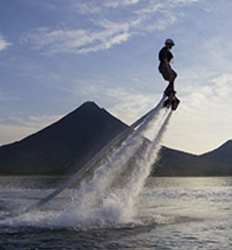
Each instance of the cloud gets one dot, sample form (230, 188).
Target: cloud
(201, 123)
(120, 3)
(15, 128)
(93, 7)
(126, 103)
(203, 116)
(76, 40)
(30, 122)
(129, 104)
(107, 26)
(10, 133)
(4, 44)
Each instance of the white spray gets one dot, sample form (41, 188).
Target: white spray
(93, 190)
(127, 195)
(97, 201)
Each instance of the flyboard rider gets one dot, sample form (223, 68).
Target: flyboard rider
(165, 58)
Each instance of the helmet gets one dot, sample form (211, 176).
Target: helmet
(169, 41)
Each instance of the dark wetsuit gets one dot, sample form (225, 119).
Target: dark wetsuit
(165, 54)
(165, 69)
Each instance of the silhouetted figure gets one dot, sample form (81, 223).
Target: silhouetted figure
(165, 57)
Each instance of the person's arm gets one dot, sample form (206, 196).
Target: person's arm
(163, 55)
(167, 65)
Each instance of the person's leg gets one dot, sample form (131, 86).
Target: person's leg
(170, 90)
(169, 75)
(172, 79)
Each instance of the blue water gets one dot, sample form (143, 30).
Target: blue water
(171, 213)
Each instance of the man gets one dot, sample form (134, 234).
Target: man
(165, 57)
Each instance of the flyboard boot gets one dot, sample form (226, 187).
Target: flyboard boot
(171, 101)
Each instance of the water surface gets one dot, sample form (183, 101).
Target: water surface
(171, 213)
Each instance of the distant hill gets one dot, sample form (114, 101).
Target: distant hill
(177, 163)
(74, 138)
(79, 135)
(223, 154)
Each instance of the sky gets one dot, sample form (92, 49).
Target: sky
(57, 54)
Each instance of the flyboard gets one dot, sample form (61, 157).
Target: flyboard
(89, 166)
(171, 101)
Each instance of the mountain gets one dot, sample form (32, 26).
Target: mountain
(222, 154)
(177, 163)
(73, 139)
(219, 159)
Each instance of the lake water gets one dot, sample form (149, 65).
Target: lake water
(171, 213)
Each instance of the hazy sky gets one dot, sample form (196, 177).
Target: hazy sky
(56, 54)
